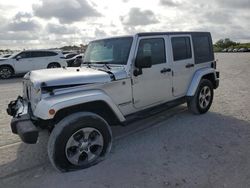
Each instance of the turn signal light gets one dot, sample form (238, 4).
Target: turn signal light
(52, 111)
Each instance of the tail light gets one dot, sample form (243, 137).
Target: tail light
(214, 64)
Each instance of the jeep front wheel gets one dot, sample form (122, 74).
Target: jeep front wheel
(79, 141)
(203, 98)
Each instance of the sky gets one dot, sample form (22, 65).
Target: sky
(54, 23)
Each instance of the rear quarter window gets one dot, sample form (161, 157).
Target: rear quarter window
(203, 48)
(49, 53)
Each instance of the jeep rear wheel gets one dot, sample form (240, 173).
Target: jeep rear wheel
(79, 141)
(6, 72)
(203, 98)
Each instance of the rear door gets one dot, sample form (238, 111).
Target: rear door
(182, 62)
(154, 85)
(41, 59)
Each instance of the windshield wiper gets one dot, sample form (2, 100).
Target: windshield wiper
(105, 63)
(87, 63)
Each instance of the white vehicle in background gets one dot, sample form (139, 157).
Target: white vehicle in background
(75, 61)
(29, 60)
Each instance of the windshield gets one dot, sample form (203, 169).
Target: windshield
(111, 51)
(13, 55)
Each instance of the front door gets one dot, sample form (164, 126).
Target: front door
(183, 63)
(154, 85)
(23, 62)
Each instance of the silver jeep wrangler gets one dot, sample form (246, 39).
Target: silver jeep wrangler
(120, 77)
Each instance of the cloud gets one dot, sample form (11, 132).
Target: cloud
(138, 17)
(169, 3)
(60, 29)
(22, 35)
(23, 26)
(64, 10)
(100, 33)
(242, 4)
(23, 22)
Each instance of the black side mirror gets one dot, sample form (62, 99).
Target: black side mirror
(18, 57)
(140, 63)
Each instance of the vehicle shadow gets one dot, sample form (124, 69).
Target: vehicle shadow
(212, 134)
(14, 79)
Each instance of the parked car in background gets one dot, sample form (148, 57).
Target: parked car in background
(28, 60)
(70, 55)
(224, 50)
(243, 50)
(235, 50)
(6, 55)
(230, 50)
(75, 61)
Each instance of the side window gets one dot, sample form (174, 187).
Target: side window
(202, 48)
(50, 53)
(155, 48)
(35, 54)
(181, 48)
(24, 55)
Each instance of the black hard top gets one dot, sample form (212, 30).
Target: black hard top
(173, 33)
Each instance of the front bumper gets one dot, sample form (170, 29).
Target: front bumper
(21, 123)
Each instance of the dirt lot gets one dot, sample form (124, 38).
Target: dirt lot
(171, 149)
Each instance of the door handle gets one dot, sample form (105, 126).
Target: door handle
(189, 65)
(165, 70)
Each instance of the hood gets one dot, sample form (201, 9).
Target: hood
(3, 58)
(74, 76)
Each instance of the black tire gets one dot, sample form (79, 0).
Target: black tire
(6, 72)
(200, 102)
(66, 129)
(53, 65)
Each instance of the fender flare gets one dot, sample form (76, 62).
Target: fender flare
(70, 99)
(197, 78)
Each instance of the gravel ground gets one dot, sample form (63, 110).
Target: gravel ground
(171, 149)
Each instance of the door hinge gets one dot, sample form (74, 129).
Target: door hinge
(172, 89)
(172, 73)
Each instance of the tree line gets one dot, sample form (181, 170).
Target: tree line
(228, 43)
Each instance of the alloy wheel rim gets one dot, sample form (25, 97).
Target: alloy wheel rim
(204, 97)
(5, 73)
(84, 146)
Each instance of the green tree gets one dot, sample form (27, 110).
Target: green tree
(225, 43)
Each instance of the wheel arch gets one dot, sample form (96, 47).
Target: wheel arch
(208, 73)
(101, 108)
(7, 65)
(94, 101)
(54, 62)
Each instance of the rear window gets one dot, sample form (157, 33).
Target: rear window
(181, 48)
(203, 48)
(50, 53)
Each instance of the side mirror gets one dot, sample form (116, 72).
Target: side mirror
(144, 62)
(18, 57)
(140, 63)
